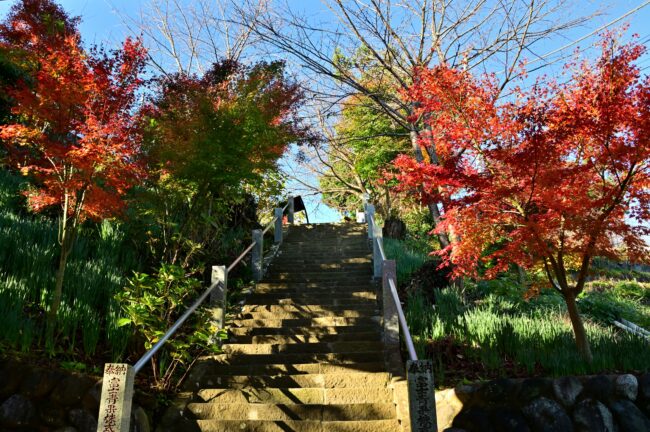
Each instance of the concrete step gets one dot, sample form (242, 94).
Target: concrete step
(306, 322)
(215, 367)
(348, 302)
(317, 288)
(317, 331)
(299, 426)
(365, 268)
(342, 358)
(280, 412)
(351, 278)
(351, 395)
(373, 336)
(336, 255)
(334, 380)
(261, 312)
(312, 308)
(297, 348)
(300, 261)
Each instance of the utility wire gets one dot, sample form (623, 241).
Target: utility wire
(576, 41)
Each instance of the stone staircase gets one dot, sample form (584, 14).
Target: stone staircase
(305, 353)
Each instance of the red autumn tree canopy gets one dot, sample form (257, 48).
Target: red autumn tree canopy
(552, 179)
(76, 134)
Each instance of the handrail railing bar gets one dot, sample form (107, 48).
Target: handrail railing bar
(381, 250)
(408, 340)
(268, 227)
(241, 257)
(154, 349)
(380, 244)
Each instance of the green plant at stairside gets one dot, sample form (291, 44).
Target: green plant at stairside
(497, 330)
(151, 304)
(407, 260)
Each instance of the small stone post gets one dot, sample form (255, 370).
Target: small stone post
(218, 295)
(370, 211)
(422, 400)
(277, 231)
(116, 398)
(390, 319)
(291, 211)
(257, 255)
(376, 253)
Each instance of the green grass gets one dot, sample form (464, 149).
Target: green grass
(407, 258)
(98, 265)
(496, 331)
(494, 325)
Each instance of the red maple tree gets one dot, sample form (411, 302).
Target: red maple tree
(550, 180)
(76, 136)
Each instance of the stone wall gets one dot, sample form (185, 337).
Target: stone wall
(609, 403)
(40, 399)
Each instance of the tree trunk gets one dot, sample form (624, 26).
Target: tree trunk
(433, 207)
(67, 239)
(578, 327)
(58, 287)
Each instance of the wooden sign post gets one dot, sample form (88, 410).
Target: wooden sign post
(422, 403)
(117, 396)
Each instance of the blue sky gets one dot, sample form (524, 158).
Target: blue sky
(101, 24)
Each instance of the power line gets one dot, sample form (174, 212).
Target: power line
(576, 41)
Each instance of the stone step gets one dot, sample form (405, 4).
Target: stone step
(214, 367)
(261, 312)
(318, 412)
(317, 288)
(298, 426)
(318, 347)
(312, 308)
(281, 267)
(307, 338)
(328, 256)
(351, 395)
(304, 331)
(336, 380)
(300, 300)
(348, 277)
(305, 322)
(300, 261)
(342, 358)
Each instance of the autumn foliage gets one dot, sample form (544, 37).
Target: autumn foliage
(232, 123)
(75, 134)
(550, 179)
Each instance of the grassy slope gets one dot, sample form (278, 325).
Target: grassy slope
(495, 332)
(97, 268)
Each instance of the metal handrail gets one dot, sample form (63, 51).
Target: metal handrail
(408, 340)
(241, 257)
(268, 227)
(154, 349)
(406, 333)
(180, 321)
(379, 244)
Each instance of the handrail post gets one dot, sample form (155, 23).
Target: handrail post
(390, 319)
(257, 254)
(278, 226)
(370, 213)
(376, 253)
(290, 215)
(218, 295)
